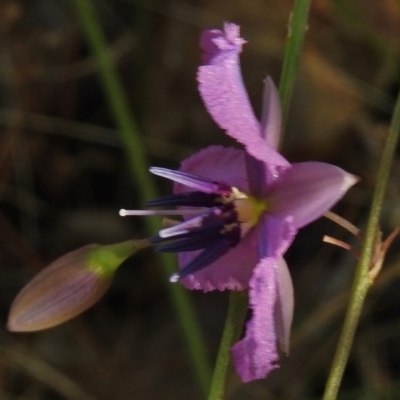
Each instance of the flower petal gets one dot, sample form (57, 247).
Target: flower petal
(255, 356)
(276, 235)
(222, 90)
(280, 233)
(283, 313)
(258, 177)
(232, 271)
(219, 164)
(307, 190)
(271, 118)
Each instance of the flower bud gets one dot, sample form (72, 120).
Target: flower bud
(68, 286)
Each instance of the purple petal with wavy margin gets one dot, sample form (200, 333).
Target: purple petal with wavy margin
(256, 355)
(222, 90)
(276, 235)
(280, 234)
(307, 190)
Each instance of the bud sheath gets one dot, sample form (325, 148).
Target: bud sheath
(68, 286)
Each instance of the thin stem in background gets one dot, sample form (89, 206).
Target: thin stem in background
(20, 359)
(362, 281)
(296, 31)
(144, 22)
(138, 167)
(232, 329)
(238, 305)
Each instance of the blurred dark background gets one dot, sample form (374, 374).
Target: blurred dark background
(63, 178)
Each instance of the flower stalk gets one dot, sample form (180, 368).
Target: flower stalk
(232, 330)
(296, 30)
(362, 281)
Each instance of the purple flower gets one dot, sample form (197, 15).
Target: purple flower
(247, 205)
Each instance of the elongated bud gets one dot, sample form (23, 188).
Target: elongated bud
(68, 286)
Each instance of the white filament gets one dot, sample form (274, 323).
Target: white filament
(182, 228)
(125, 213)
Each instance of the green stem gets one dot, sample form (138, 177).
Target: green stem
(138, 167)
(362, 281)
(233, 328)
(144, 22)
(296, 30)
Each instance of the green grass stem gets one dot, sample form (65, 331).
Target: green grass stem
(142, 181)
(296, 31)
(362, 281)
(232, 329)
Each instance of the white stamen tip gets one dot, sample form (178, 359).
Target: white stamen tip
(174, 278)
(122, 212)
(168, 232)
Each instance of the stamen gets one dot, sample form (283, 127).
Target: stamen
(191, 199)
(207, 257)
(201, 241)
(344, 224)
(195, 239)
(208, 226)
(340, 243)
(217, 216)
(195, 182)
(186, 226)
(197, 211)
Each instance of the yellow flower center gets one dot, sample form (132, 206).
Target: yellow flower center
(249, 208)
